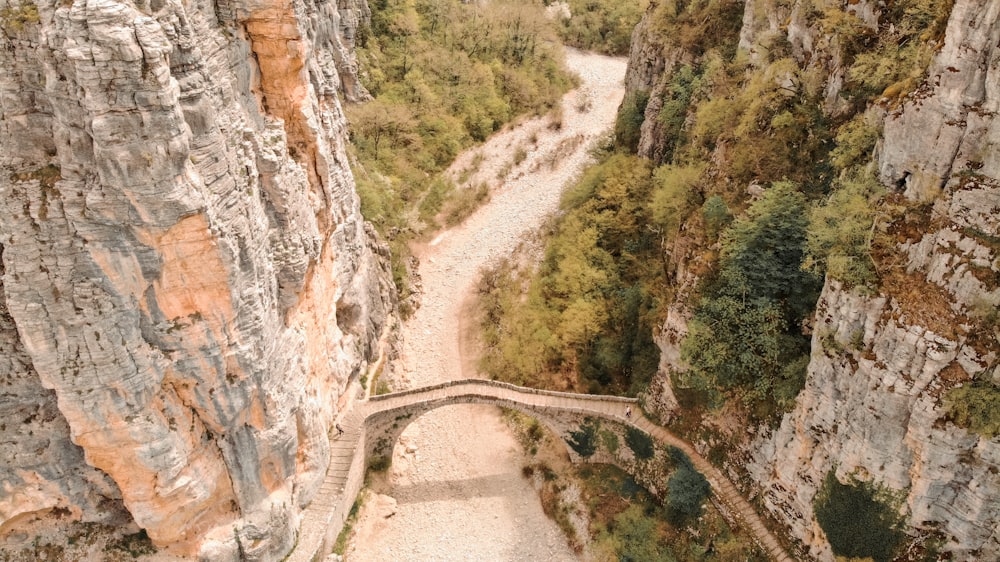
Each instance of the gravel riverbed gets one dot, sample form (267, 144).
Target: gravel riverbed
(455, 490)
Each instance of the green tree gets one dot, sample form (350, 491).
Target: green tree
(716, 214)
(628, 126)
(841, 230)
(640, 443)
(745, 332)
(762, 253)
(859, 519)
(686, 489)
(684, 82)
(676, 194)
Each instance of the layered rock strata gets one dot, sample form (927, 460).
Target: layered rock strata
(188, 286)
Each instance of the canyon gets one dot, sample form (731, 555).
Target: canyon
(190, 296)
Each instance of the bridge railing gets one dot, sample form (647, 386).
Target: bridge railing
(507, 386)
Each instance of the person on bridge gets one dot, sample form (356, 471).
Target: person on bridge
(628, 411)
(340, 430)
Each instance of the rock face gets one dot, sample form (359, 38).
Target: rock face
(872, 407)
(187, 283)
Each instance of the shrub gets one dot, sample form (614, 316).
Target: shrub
(686, 489)
(584, 441)
(630, 117)
(380, 463)
(975, 406)
(839, 239)
(640, 443)
(14, 18)
(855, 143)
(859, 519)
(684, 82)
(134, 545)
(675, 195)
(638, 536)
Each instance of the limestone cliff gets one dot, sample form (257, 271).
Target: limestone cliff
(881, 364)
(187, 284)
(873, 406)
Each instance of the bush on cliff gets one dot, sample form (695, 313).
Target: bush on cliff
(976, 406)
(860, 520)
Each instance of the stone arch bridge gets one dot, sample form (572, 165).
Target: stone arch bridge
(372, 427)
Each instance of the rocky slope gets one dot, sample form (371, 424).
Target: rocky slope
(187, 284)
(873, 405)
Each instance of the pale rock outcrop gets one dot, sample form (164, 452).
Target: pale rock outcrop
(947, 125)
(185, 267)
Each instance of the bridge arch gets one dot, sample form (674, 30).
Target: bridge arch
(384, 428)
(391, 414)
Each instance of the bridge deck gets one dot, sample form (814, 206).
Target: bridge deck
(328, 510)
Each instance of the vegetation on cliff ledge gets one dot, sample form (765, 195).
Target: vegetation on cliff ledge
(861, 520)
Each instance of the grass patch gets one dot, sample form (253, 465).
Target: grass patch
(352, 517)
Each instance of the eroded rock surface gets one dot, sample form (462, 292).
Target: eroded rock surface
(187, 282)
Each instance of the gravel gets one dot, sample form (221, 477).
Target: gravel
(455, 490)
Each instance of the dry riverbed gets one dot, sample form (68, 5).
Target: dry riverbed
(455, 491)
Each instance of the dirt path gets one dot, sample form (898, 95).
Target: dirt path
(455, 490)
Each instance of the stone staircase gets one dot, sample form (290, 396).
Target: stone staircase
(328, 511)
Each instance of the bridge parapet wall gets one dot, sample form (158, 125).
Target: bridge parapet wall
(485, 383)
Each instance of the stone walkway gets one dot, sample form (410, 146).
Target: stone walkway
(324, 518)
